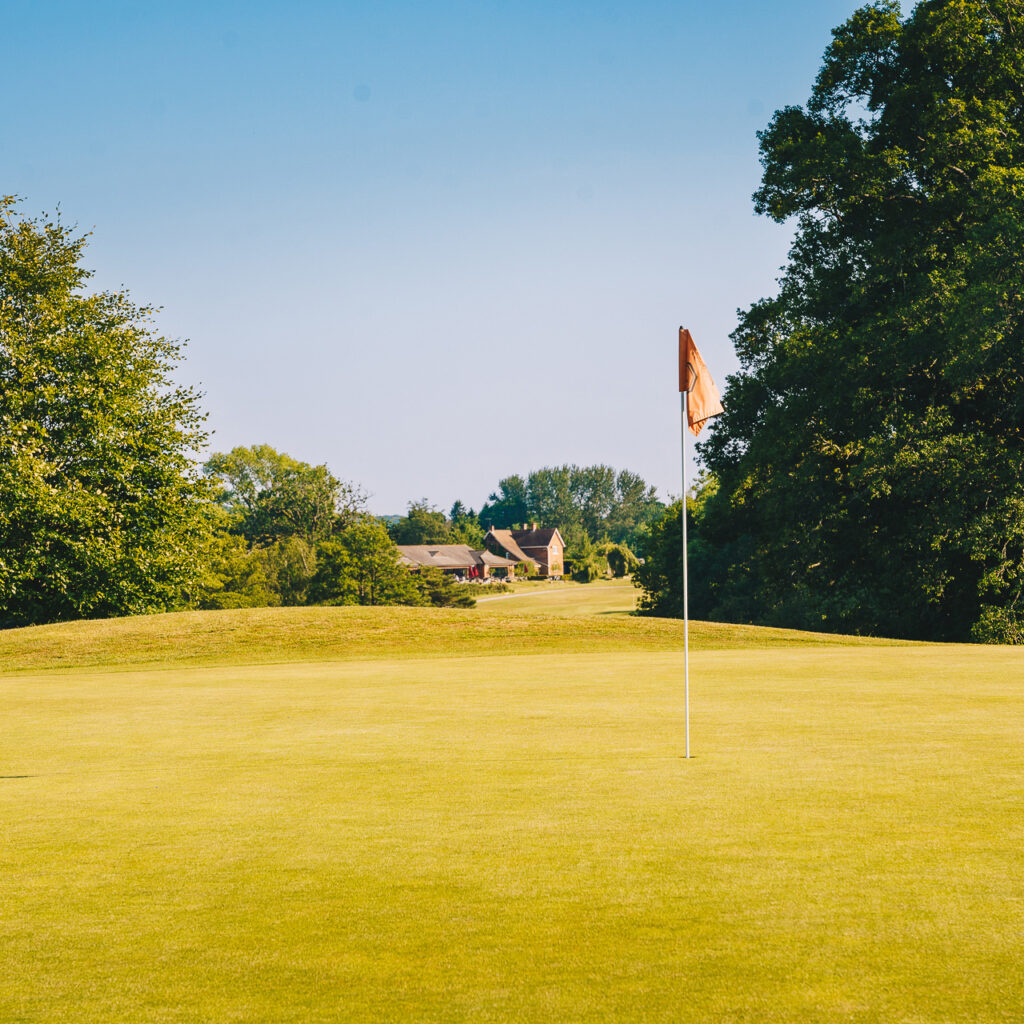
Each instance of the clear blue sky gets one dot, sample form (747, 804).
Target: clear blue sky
(430, 244)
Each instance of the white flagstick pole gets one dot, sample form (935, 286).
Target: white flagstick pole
(685, 406)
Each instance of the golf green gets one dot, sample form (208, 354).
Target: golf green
(515, 836)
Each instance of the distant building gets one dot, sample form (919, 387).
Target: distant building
(457, 560)
(544, 548)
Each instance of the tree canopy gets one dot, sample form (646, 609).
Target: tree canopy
(582, 501)
(425, 524)
(269, 495)
(293, 534)
(869, 469)
(101, 512)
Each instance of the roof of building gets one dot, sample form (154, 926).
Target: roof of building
(495, 561)
(450, 556)
(535, 538)
(508, 542)
(442, 556)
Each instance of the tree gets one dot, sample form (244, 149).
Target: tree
(101, 510)
(422, 524)
(635, 506)
(270, 496)
(360, 565)
(660, 575)
(870, 462)
(621, 560)
(290, 565)
(585, 561)
(593, 495)
(426, 524)
(235, 578)
(554, 503)
(591, 500)
(438, 589)
(466, 526)
(508, 505)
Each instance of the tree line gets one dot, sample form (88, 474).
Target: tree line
(588, 504)
(285, 532)
(106, 511)
(867, 477)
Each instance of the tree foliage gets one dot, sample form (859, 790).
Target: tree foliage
(582, 501)
(270, 496)
(290, 565)
(466, 526)
(509, 505)
(870, 464)
(621, 560)
(101, 512)
(360, 566)
(437, 588)
(235, 576)
(305, 539)
(585, 562)
(660, 575)
(426, 524)
(422, 524)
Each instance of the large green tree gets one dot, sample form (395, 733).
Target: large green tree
(270, 496)
(423, 524)
(508, 505)
(235, 577)
(101, 512)
(660, 575)
(870, 462)
(360, 565)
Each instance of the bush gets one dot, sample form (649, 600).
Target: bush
(586, 571)
(998, 626)
(621, 561)
(440, 590)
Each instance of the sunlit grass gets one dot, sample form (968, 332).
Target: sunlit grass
(266, 635)
(602, 597)
(510, 835)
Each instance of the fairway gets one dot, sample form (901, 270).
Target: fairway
(510, 835)
(604, 597)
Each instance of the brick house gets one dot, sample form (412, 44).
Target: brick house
(544, 548)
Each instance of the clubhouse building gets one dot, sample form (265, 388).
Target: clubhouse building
(542, 550)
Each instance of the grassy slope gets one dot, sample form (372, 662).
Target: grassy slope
(506, 836)
(267, 635)
(604, 597)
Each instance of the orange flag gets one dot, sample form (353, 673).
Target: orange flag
(703, 400)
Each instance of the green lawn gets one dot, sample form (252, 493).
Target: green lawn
(603, 597)
(318, 815)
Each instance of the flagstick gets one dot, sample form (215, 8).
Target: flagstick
(685, 406)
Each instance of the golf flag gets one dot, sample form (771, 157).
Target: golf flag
(699, 401)
(703, 399)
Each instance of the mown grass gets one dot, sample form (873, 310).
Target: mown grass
(511, 835)
(268, 635)
(602, 597)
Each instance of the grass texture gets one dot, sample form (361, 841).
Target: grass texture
(508, 835)
(274, 635)
(603, 597)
